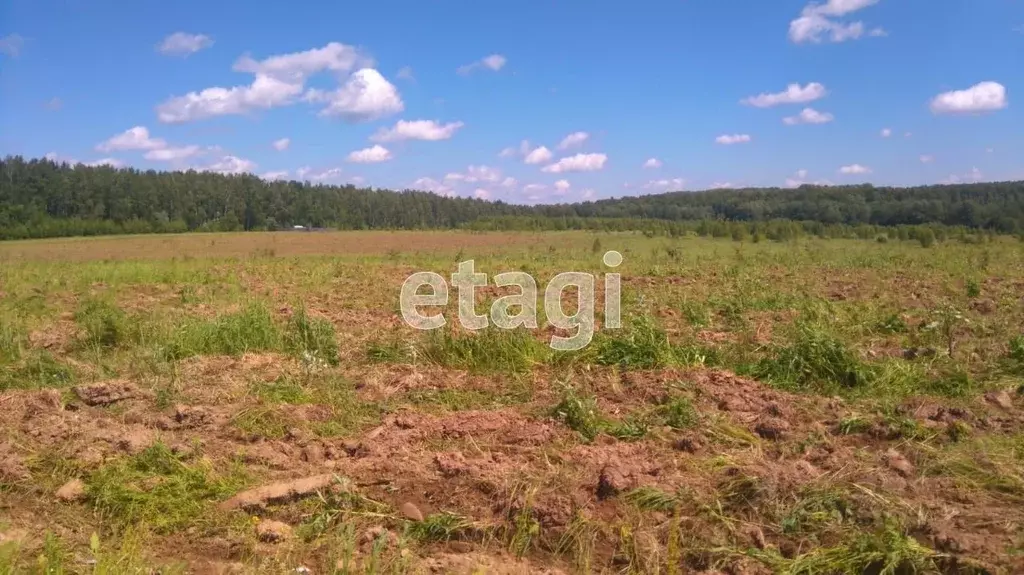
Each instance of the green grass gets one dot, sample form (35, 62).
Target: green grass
(815, 361)
(311, 339)
(157, 489)
(250, 330)
(489, 350)
(39, 370)
(442, 526)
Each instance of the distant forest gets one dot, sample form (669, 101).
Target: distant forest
(42, 198)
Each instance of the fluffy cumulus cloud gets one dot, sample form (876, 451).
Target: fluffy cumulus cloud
(432, 185)
(793, 94)
(282, 144)
(429, 130)
(183, 44)
(540, 155)
(820, 21)
(886, 132)
(652, 163)
(572, 140)
(854, 169)
(800, 178)
(926, 159)
(577, 163)
(136, 138)
(808, 116)
(276, 175)
(981, 97)
(493, 62)
(230, 165)
(562, 186)
(280, 81)
(374, 154)
(728, 139)
(365, 96)
(474, 174)
(481, 194)
(172, 154)
(324, 175)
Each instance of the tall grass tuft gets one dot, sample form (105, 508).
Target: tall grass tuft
(491, 349)
(644, 346)
(312, 337)
(103, 324)
(251, 329)
(816, 361)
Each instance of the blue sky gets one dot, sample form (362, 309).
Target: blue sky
(443, 95)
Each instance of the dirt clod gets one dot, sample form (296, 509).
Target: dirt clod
(612, 481)
(410, 511)
(773, 428)
(898, 463)
(105, 393)
(270, 531)
(281, 492)
(1000, 398)
(73, 490)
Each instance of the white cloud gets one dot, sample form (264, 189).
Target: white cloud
(493, 62)
(296, 67)
(112, 162)
(981, 97)
(172, 154)
(886, 132)
(481, 194)
(652, 163)
(793, 94)
(808, 116)
(539, 156)
(801, 173)
(136, 138)
(854, 169)
(722, 185)
(926, 159)
(509, 182)
(230, 165)
(375, 154)
(588, 194)
(183, 44)
(534, 188)
(676, 183)
(432, 185)
(282, 144)
(572, 140)
(324, 175)
(524, 149)
(11, 45)
(265, 92)
(562, 186)
(279, 175)
(799, 179)
(279, 80)
(365, 96)
(816, 20)
(577, 163)
(428, 130)
(475, 174)
(728, 139)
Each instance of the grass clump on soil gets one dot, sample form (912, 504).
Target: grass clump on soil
(251, 329)
(105, 325)
(815, 361)
(312, 339)
(581, 413)
(12, 340)
(489, 350)
(644, 346)
(443, 526)
(157, 489)
(886, 551)
(37, 371)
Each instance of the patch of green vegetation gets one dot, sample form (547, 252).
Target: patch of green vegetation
(12, 340)
(249, 330)
(443, 526)
(331, 510)
(696, 313)
(281, 390)
(312, 339)
(892, 324)
(262, 421)
(488, 350)
(38, 371)
(104, 324)
(643, 346)
(579, 413)
(815, 361)
(818, 509)
(994, 464)
(678, 413)
(888, 550)
(157, 489)
(392, 351)
(973, 287)
(652, 499)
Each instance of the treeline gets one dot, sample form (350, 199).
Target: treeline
(42, 198)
